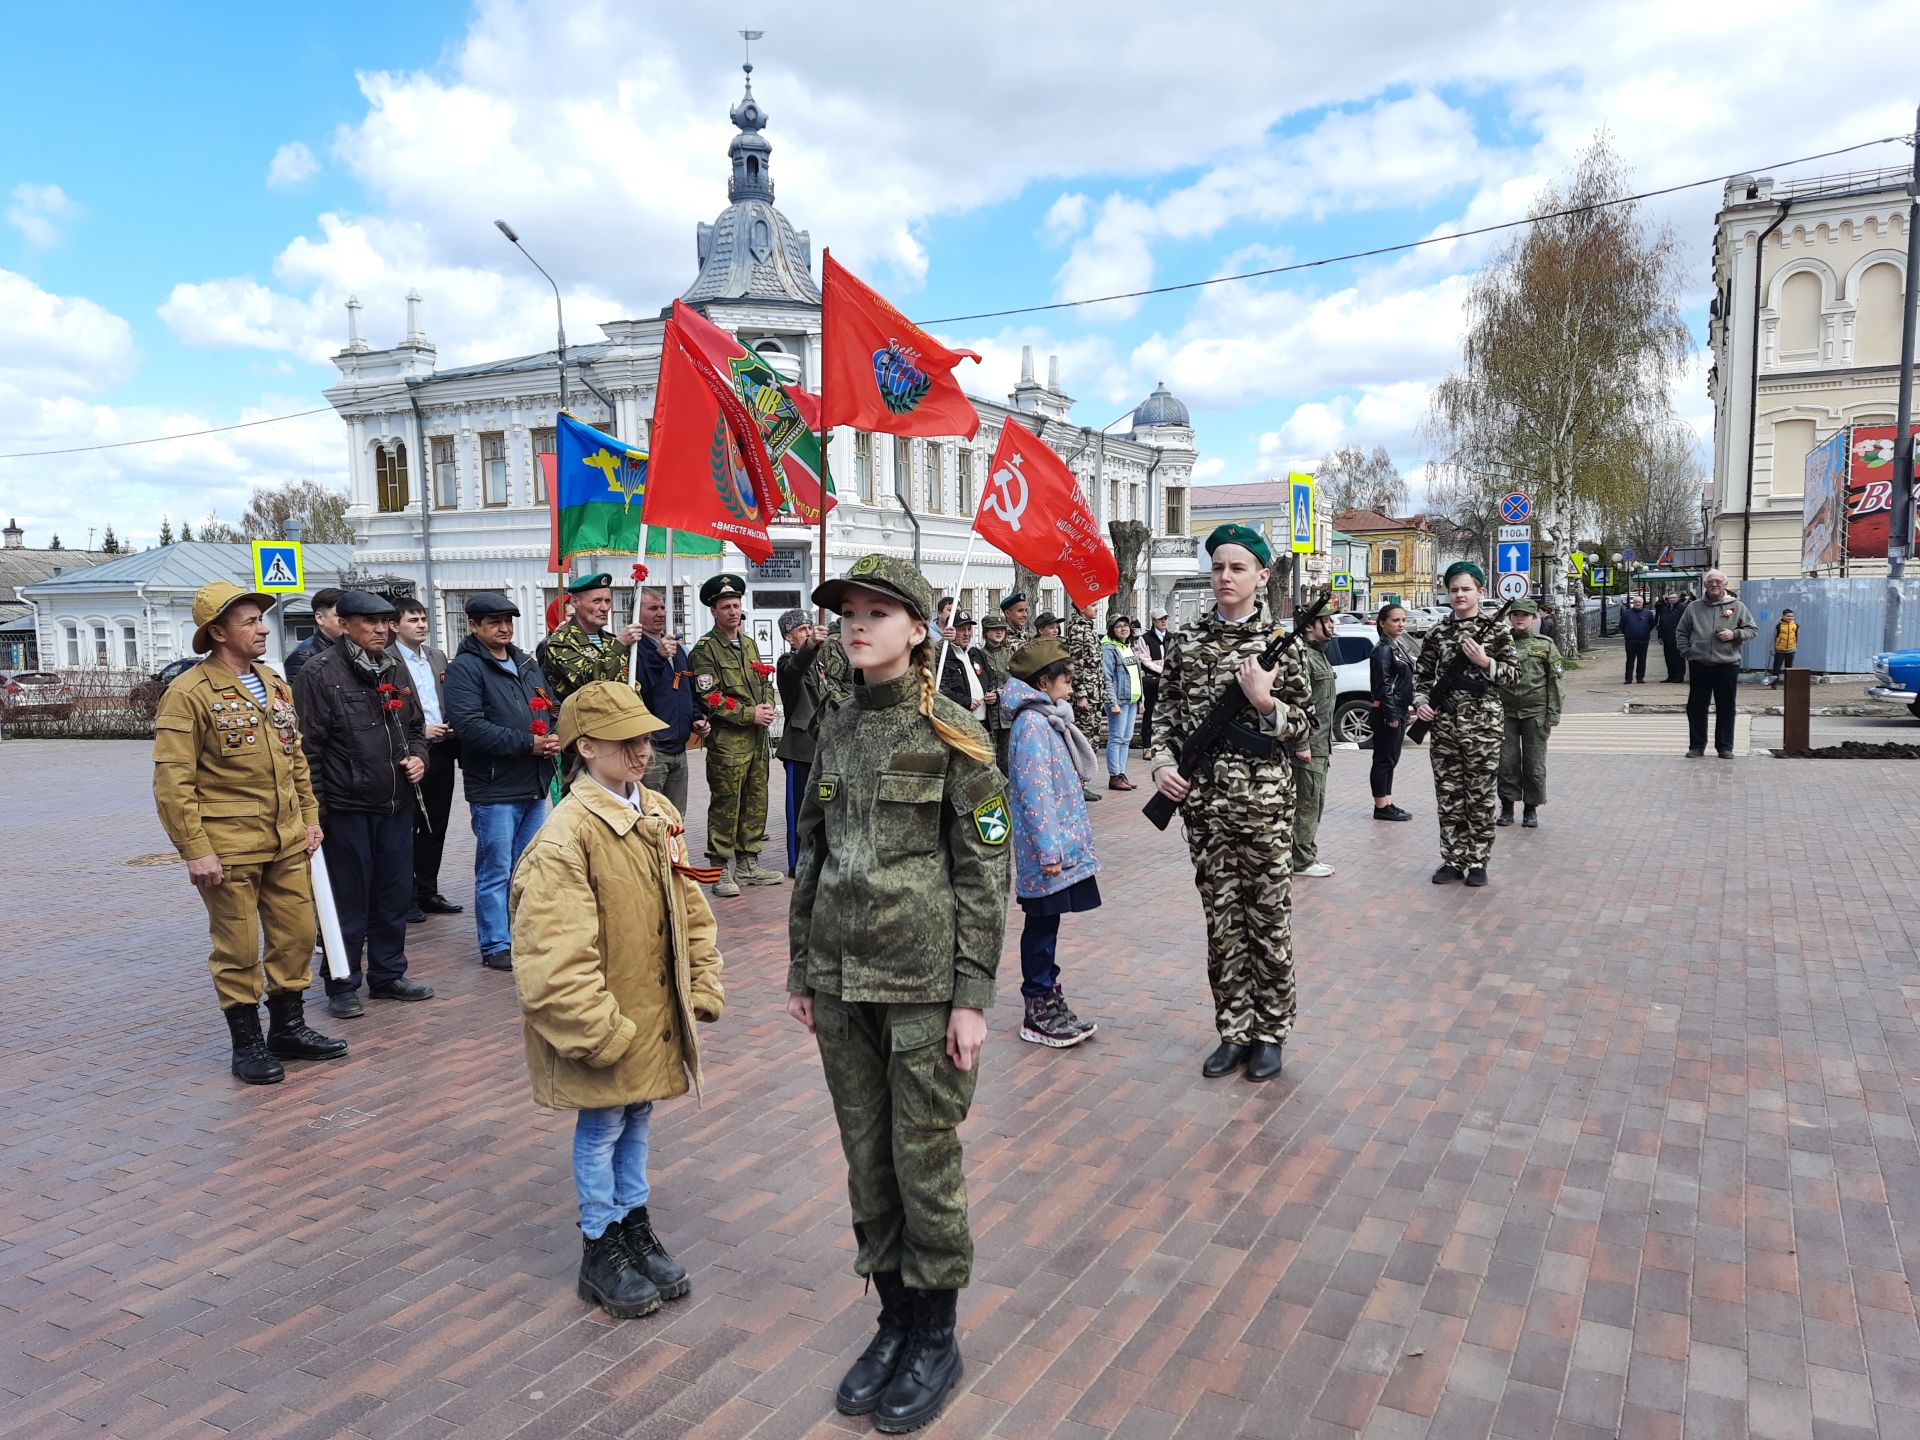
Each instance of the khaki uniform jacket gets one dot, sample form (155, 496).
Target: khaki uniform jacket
(723, 672)
(901, 896)
(570, 660)
(1534, 691)
(613, 953)
(229, 779)
(1325, 699)
(999, 660)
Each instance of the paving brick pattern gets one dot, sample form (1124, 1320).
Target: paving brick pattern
(1623, 1144)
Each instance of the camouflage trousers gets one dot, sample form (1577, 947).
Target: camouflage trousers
(1466, 771)
(899, 1101)
(1243, 868)
(736, 794)
(1093, 725)
(1523, 761)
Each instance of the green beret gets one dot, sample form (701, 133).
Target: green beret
(1034, 656)
(721, 586)
(1012, 600)
(1245, 538)
(1465, 567)
(602, 581)
(1524, 606)
(884, 574)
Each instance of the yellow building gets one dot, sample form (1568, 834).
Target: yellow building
(1400, 553)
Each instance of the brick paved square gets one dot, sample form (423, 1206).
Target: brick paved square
(1623, 1144)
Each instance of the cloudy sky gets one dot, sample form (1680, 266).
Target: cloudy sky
(185, 214)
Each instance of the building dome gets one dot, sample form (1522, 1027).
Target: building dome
(1160, 408)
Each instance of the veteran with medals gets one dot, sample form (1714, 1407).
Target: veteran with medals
(230, 782)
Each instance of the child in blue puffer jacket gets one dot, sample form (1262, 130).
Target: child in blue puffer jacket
(1049, 763)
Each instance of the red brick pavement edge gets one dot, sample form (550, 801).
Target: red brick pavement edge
(1623, 1144)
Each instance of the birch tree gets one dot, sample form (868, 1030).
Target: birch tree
(1573, 340)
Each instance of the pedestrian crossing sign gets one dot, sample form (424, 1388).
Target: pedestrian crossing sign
(1301, 487)
(1342, 580)
(276, 567)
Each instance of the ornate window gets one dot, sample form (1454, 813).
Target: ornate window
(863, 465)
(1176, 511)
(73, 647)
(493, 468)
(390, 477)
(544, 443)
(903, 469)
(936, 478)
(100, 656)
(446, 475)
(966, 481)
(129, 647)
(1390, 559)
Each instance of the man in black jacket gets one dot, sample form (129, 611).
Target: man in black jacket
(366, 745)
(1636, 628)
(1667, 621)
(505, 717)
(326, 630)
(427, 669)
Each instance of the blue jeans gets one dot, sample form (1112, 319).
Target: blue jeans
(610, 1164)
(500, 833)
(797, 771)
(1119, 732)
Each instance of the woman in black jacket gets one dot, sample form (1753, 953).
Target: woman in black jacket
(1392, 674)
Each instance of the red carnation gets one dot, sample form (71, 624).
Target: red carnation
(540, 701)
(714, 702)
(539, 727)
(732, 704)
(762, 669)
(639, 573)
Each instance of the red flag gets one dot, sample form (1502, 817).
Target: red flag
(708, 470)
(1032, 508)
(882, 371)
(745, 376)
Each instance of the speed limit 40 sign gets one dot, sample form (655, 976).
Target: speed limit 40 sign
(1513, 587)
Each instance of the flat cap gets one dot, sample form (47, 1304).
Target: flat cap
(1245, 538)
(720, 587)
(887, 574)
(1034, 656)
(601, 581)
(489, 602)
(365, 604)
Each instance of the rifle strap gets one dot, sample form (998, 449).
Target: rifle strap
(1255, 743)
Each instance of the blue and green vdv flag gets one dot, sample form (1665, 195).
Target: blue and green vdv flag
(599, 485)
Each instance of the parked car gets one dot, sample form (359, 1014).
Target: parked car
(1898, 674)
(145, 697)
(36, 695)
(1422, 618)
(1350, 650)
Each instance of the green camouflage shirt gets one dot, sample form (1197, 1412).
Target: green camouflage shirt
(1443, 643)
(570, 659)
(722, 671)
(1000, 659)
(901, 896)
(1534, 691)
(1325, 699)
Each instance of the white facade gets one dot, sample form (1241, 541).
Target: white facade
(1832, 278)
(476, 428)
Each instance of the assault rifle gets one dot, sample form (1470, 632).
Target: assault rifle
(1460, 675)
(1221, 728)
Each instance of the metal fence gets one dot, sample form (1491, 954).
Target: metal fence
(1841, 621)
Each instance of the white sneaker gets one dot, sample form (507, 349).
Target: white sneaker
(1318, 870)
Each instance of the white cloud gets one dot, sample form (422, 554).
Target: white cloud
(55, 343)
(1205, 469)
(293, 164)
(39, 211)
(1065, 218)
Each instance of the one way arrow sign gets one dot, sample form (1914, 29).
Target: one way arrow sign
(1516, 557)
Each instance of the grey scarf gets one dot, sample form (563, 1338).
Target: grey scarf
(365, 663)
(1059, 714)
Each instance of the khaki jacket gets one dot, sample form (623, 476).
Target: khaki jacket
(613, 953)
(228, 778)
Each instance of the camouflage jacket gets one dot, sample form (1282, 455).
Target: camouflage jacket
(1325, 699)
(901, 896)
(1534, 691)
(836, 670)
(999, 660)
(1089, 679)
(727, 683)
(570, 660)
(1201, 662)
(1443, 643)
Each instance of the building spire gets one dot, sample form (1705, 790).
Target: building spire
(749, 152)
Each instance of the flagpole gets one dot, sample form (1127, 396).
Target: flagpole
(826, 463)
(639, 568)
(959, 591)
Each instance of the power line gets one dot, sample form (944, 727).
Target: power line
(1294, 268)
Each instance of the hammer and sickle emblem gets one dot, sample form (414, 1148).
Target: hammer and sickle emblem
(999, 500)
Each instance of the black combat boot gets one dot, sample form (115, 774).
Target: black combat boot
(1506, 813)
(859, 1393)
(1531, 818)
(650, 1257)
(928, 1371)
(1446, 875)
(251, 1062)
(608, 1278)
(290, 1037)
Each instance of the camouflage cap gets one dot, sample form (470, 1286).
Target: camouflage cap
(1034, 656)
(1245, 538)
(886, 574)
(606, 710)
(1524, 606)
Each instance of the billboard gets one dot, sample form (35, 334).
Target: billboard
(1870, 490)
(1822, 518)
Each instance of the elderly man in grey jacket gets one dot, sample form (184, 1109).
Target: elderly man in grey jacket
(1712, 629)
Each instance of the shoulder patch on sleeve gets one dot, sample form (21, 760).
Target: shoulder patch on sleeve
(972, 793)
(991, 821)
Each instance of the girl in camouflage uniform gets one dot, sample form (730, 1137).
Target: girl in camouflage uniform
(1467, 734)
(898, 915)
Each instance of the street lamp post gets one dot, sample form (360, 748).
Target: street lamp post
(559, 316)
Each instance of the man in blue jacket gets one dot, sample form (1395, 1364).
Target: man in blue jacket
(666, 684)
(505, 718)
(1636, 628)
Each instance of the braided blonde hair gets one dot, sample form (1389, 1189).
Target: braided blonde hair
(968, 742)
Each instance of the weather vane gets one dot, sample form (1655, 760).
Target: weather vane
(750, 36)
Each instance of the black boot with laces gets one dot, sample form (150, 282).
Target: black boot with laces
(251, 1062)
(650, 1257)
(609, 1279)
(290, 1037)
(860, 1392)
(928, 1371)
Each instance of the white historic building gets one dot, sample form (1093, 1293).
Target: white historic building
(447, 492)
(1809, 277)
